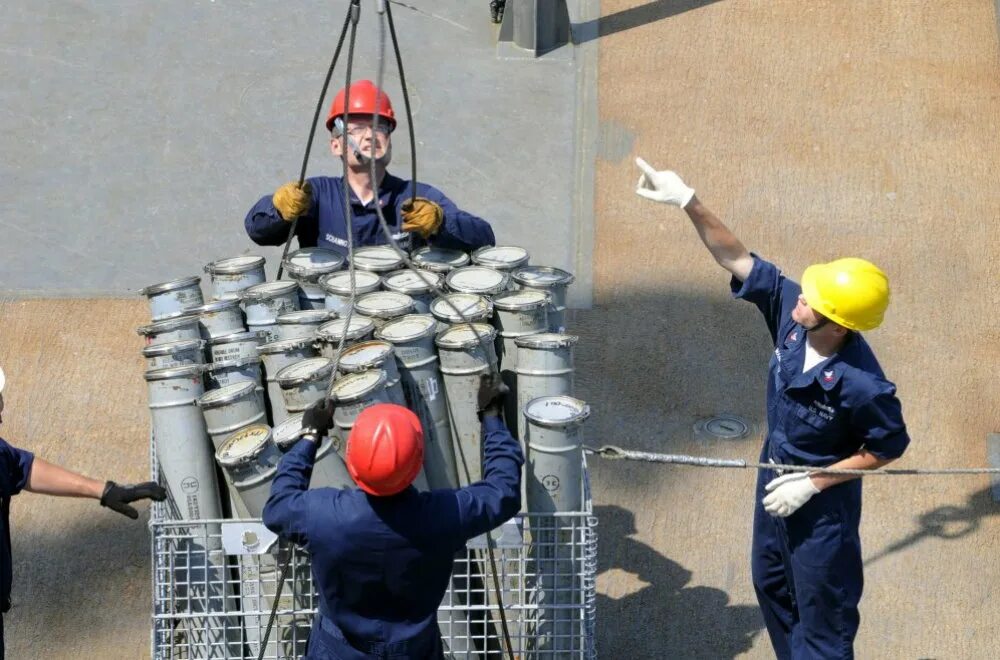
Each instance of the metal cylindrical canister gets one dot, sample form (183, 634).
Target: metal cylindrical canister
(555, 453)
(438, 260)
(516, 314)
(377, 258)
(303, 323)
(176, 328)
(329, 334)
(249, 459)
(375, 354)
(306, 266)
(477, 279)
(501, 257)
(174, 354)
(553, 280)
(237, 346)
(337, 287)
(264, 303)
(305, 382)
(231, 408)
(246, 370)
(168, 298)
(230, 276)
(413, 339)
(419, 285)
(455, 308)
(219, 318)
(383, 306)
(544, 368)
(276, 356)
(352, 394)
(329, 470)
(183, 449)
(466, 352)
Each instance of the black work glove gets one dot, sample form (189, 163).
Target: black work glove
(117, 497)
(318, 418)
(492, 393)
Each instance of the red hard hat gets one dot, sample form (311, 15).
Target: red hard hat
(364, 97)
(385, 449)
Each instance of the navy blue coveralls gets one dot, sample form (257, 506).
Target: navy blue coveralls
(381, 565)
(807, 568)
(15, 468)
(324, 224)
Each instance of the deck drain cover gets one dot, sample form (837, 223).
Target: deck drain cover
(723, 427)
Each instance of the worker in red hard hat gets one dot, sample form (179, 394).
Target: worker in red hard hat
(364, 133)
(382, 553)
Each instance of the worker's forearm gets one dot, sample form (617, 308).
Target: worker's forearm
(728, 251)
(49, 479)
(863, 460)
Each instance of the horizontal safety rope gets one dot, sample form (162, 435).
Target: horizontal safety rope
(617, 453)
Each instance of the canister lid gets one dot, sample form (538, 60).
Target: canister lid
(355, 386)
(411, 281)
(235, 265)
(305, 371)
(439, 260)
(172, 285)
(288, 432)
(173, 348)
(377, 258)
(473, 307)
(466, 335)
(366, 355)
(522, 300)
(477, 279)
(226, 394)
(502, 257)
(250, 335)
(339, 283)
(270, 290)
(383, 304)
(312, 261)
(167, 325)
(307, 317)
(214, 306)
(179, 371)
(546, 340)
(333, 330)
(556, 411)
(407, 328)
(284, 345)
(244, 446)
(542, 277)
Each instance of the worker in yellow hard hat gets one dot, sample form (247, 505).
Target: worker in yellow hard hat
(828, 405)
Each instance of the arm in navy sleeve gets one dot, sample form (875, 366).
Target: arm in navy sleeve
(286, 511)
(489, 503)
(770, 291)
(461, 230)
(879, 424)
(265, 226)
(15, 468)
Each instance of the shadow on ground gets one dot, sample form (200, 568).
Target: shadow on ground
(632, 18)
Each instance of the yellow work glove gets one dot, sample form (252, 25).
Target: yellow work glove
(292, 201)
(422, 216)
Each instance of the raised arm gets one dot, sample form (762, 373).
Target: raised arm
(667, 187)
(51, 479)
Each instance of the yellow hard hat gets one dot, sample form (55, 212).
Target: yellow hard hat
(851, 292)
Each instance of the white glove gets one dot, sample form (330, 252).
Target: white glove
(664, 186)
(788, 493)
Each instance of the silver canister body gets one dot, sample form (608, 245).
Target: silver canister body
(169, 298)
(249, 459)
(219, 318)
(370, 355)
(419, 285)
(466, 352)
(174, 354)
(413, 340)
(305, 382)
(544, 368)
(337, 288)
(231, 276)
(264, 303)
(230, 409)
(516, 314)
(306, 266)
(555, 281)
(329, 470)
(237, 346)
(176, 328)
(230, 372)
(329, 334)
(303, 323)
(276, 356)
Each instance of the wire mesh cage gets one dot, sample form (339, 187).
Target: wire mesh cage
(210, 601)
